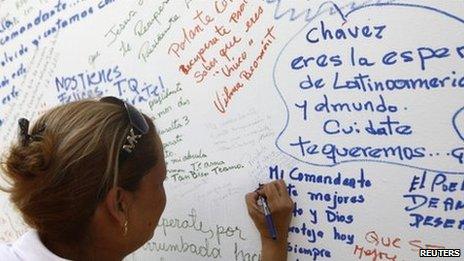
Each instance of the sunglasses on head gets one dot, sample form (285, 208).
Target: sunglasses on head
(139, 125)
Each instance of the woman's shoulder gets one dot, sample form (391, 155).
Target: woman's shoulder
(27, 247)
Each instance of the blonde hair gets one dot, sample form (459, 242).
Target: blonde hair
(60, 176)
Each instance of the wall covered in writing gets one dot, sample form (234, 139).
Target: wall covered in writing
(358, 105)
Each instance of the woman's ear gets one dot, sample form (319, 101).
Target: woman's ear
(117, 203)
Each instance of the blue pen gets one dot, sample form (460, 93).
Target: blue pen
(269, 222)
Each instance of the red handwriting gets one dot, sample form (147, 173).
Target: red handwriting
(390, 243)
(221, 103)
(207, 67)
(254, 19)
(222, 5)
(377, 240)
(374, 254)
(228, 69)
(373, 238)
(418, 244)
(265, 43)
(227, 52)
(185, 68)
(190, 34)
(221, 30)
(229, 45)
(237, 14)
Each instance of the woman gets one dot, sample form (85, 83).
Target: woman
(88, 178)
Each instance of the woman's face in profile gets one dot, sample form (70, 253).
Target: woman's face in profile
(149, 203)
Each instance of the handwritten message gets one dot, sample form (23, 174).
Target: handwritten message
(344, 106)
(226, 43)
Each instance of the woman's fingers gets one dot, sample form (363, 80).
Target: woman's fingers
(270, 190)
(276, 195)
(281, 187)
(251, 200)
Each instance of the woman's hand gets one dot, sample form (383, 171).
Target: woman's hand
(281, 206)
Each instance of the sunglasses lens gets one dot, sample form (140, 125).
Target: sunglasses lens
(136, 119)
